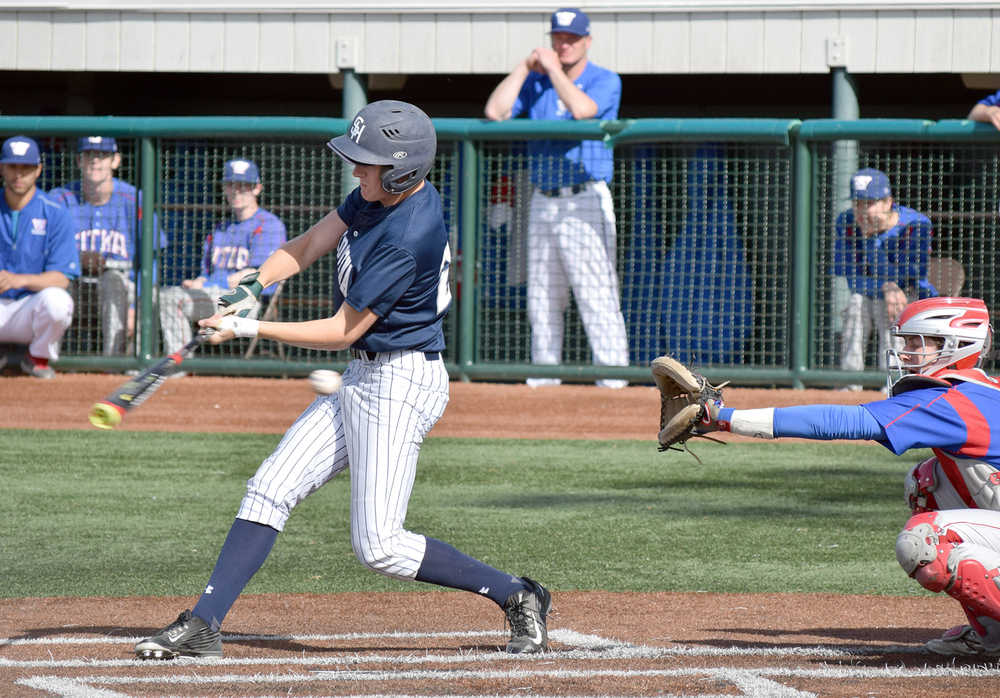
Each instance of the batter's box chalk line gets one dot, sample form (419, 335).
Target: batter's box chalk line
(764, 681)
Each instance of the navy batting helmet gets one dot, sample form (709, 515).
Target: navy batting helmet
(391, 133)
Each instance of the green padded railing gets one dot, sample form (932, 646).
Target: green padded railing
(723, 233)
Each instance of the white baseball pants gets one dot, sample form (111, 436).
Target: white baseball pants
(375, 424)
(39, 320)
(571, 245)
(860, 314)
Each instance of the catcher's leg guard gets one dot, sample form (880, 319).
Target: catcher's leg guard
(937, 558)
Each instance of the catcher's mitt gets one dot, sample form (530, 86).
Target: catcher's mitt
(688, 403)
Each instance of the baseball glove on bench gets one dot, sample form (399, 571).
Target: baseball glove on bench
(689, 404)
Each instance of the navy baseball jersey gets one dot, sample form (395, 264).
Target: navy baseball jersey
(36, 239)
(560, 163)
(395, 261)
(112, 228)
(899, 254)
(236, 245)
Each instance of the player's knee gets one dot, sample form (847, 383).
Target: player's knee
(924, 551)
(56, 305)
(383, 557)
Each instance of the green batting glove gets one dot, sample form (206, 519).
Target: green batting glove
(242, 300)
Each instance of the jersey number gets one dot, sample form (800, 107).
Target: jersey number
(444, 287)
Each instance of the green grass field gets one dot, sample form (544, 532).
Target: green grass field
(138, 513)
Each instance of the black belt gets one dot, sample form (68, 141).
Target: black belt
(552, 193)
(373, 355)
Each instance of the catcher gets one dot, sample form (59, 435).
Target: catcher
(940, 399)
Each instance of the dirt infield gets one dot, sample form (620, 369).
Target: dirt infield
(445, 643)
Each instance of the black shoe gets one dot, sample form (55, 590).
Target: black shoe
(526, 611)
(188, 636)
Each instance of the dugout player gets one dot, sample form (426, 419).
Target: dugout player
(987, 110)
(571, 230)
(882, 249)
(940, 400)
(234, 249)
(38, 258)
(392, 293)
(108, 217)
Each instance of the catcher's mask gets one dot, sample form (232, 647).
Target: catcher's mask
(395, 134)
(961, 326)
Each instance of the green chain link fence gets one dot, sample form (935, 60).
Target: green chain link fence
(724, 230)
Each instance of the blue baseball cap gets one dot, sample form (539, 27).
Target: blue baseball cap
(241, 171)
(20, 150)
(870, 183)
(570, 20)
(104, 144)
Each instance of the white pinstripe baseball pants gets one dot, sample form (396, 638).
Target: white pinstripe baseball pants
(375, 424)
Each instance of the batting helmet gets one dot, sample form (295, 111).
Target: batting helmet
(391, 133)
(962, 324)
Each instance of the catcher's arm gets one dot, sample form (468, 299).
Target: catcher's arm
(689, 404)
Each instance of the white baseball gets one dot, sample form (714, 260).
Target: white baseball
(325, 382)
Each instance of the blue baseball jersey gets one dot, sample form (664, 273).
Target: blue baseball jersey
(112, 228)
(236, 245)
(395, 261)
(991, 101)
(899, 254)
(560, 163)
(962, 419)
(42, 240)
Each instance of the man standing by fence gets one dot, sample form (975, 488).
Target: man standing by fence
(571, 234)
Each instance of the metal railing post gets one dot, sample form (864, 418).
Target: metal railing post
(469, 197)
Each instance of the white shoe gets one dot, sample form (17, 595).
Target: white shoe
(852, 388)
(542, 382)
(613, 383)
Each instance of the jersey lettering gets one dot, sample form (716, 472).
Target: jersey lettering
(444, 286)
(230, 257)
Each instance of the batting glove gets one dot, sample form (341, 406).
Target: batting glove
(242, 300)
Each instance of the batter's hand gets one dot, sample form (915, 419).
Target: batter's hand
(211, 324)
(242, 300)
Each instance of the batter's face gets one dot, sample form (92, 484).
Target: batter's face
(20, 179)
(570, 48)
(98, 166)
(370, 180)
(873, 216)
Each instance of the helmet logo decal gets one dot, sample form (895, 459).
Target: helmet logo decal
(399, 154)
(357, 128)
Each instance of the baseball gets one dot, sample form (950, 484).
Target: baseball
(325, 382)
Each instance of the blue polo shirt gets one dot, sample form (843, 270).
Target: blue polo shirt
(43, 239)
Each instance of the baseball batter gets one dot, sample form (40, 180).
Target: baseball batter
(940, 400)
(108, 217)
(392, 294)
(571, 233)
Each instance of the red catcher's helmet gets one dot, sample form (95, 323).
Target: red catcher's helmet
(963, 324)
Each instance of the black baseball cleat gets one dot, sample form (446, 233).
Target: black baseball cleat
(188, 636)
(526, 611)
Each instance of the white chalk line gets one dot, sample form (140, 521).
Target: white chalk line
(751, 682)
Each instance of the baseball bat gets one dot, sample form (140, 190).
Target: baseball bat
(108, 413)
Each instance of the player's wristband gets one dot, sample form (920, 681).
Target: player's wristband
(240, 326)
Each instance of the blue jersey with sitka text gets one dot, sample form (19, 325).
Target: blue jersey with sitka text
(41, 241)
(238, 245)
(395, 261)
(561, 163)
(112, 228)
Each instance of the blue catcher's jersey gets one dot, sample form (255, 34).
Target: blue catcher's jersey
(41, 240)
(236, 245)
(112, 228)
(899, 254)
(395, 261)
(562, 163)
(962, 419)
